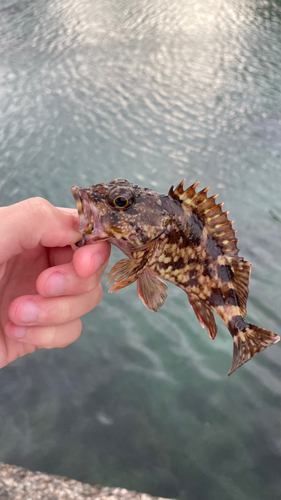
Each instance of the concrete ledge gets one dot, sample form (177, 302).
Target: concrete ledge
(17, 483)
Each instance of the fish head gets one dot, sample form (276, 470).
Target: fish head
(120, 212)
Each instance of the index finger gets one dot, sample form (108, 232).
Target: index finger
(35, 221)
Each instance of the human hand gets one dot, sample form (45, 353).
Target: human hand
(45, 285)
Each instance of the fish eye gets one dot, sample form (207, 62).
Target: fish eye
(121, 201)
(120, 198)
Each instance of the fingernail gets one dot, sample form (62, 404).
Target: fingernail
(27, 311)
(98, 261)
(55, 284)
(17, 332)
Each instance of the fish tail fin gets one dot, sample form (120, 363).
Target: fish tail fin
(249, 340)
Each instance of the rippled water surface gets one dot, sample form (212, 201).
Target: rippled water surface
(152, 91)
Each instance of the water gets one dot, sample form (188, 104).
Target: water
(153, 91)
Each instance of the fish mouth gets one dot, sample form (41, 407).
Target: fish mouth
(90, 224)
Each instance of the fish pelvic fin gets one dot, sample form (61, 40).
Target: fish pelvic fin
(152, 290)
(204, 315)
(249, 340)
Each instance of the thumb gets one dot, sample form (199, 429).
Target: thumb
(35, 221)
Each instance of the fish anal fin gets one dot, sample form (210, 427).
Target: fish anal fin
(248, 342)
(204, 315)
(152, 290)
(125, 272)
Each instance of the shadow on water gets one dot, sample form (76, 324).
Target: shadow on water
(154, 92)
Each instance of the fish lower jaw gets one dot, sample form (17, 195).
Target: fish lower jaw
(96, 236)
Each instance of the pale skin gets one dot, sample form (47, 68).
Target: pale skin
(46, 283)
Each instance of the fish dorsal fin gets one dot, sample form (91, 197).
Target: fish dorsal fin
(214, 219)
(241, 271)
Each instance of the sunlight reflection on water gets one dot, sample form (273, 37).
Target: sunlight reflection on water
(152, 91)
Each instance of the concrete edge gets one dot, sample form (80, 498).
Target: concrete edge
(17, 483)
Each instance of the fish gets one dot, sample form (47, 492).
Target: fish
(184, 238)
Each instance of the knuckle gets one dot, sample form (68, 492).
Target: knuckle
(67, 312)
(50, 337)
(33, 212)
(38, 206)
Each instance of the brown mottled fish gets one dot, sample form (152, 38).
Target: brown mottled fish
(184, 238)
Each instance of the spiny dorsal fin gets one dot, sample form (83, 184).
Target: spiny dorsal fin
(214, 219)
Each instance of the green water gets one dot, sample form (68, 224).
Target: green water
(152, 91)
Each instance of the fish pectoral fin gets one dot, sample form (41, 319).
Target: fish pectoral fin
(152, 290)
(125, 272)
(204, 315)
